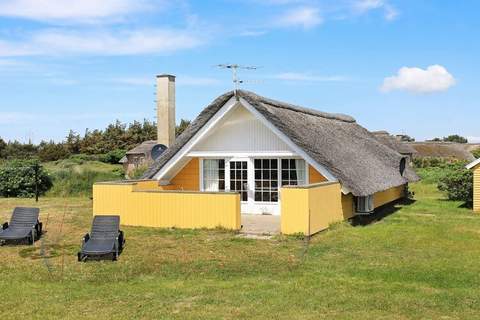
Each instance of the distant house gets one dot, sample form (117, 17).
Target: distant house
(446, 150)
(395, 143)
(475, 167)
(142, 155)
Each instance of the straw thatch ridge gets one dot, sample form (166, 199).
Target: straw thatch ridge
(348, 151)
(390, 141)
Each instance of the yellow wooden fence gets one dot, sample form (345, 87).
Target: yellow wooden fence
(143, 203)
(310, 209)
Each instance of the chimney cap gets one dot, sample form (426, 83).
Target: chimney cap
(169, 76)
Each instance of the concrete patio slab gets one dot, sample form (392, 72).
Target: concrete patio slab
(258, 224)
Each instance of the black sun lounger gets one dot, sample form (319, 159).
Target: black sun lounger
(106, 238)
(24, 225)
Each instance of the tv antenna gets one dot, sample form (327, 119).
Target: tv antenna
(235, 68)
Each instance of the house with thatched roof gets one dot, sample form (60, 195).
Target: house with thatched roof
(440, 149)
(141, 156)
(248, 154)
(393, 143)
(254, 145)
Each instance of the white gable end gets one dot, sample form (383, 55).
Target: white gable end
(240, 131)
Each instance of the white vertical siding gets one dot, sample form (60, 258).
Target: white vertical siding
(242, 132)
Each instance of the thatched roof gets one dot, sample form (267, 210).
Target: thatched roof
(390, 141)
(348, 151)
(143, 148)
(447, 150)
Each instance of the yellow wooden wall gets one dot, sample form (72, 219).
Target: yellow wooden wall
(310, 209)
(167, 209)
(387, 196)
(314, 176)
(189, 177)
(476, 188)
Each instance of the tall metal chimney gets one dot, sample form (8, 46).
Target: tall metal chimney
(166, 109)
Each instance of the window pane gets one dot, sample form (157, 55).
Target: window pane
(266, 174)
(293, 175)
(274, 175)
(274, 164)
(244, 196)
(266, 164)
(244, 174)
(274, 196)
(244, 165)
(258, 174)
(258, 196)
(284, 163)
(221, 185)
(258, 163)
(284, 175)
(221, 174)
(292, 163)
(266, 196)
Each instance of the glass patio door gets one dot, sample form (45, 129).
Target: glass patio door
(239, 178)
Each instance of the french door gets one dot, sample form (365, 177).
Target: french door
(257, 180)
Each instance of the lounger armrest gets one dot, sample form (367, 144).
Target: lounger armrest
(39, 227)
(85, 238)
(121, 239)
(5, 226)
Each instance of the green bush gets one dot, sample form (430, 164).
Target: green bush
(17, 179)
(51, 151)
(137, 173)
(113, 156)
(457, 182)
(428, 162)
(74, 183)
(476, 153)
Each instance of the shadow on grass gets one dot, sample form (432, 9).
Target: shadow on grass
(380, 213)
(49, 251)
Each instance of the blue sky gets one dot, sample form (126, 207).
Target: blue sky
(405, 66)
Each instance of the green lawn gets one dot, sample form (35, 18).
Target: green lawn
(421, 262)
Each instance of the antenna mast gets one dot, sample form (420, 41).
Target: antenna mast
(234, 68)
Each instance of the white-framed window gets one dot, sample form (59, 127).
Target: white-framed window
(266, 180)
(365, 204)
(213, 174)
(293, 172)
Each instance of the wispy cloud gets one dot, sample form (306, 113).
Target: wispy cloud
(364, 6)
(61, 42)
(26, 118)
(74, 11)
(305, 17)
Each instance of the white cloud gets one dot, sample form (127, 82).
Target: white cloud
(433, 79)
(473, 139)
(305, 17)
(364, 6)
(305, 77)
(72, 10)
(60, 42)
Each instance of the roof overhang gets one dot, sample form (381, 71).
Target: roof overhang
(473, 164)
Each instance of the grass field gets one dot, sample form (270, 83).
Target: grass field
(419, 262)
